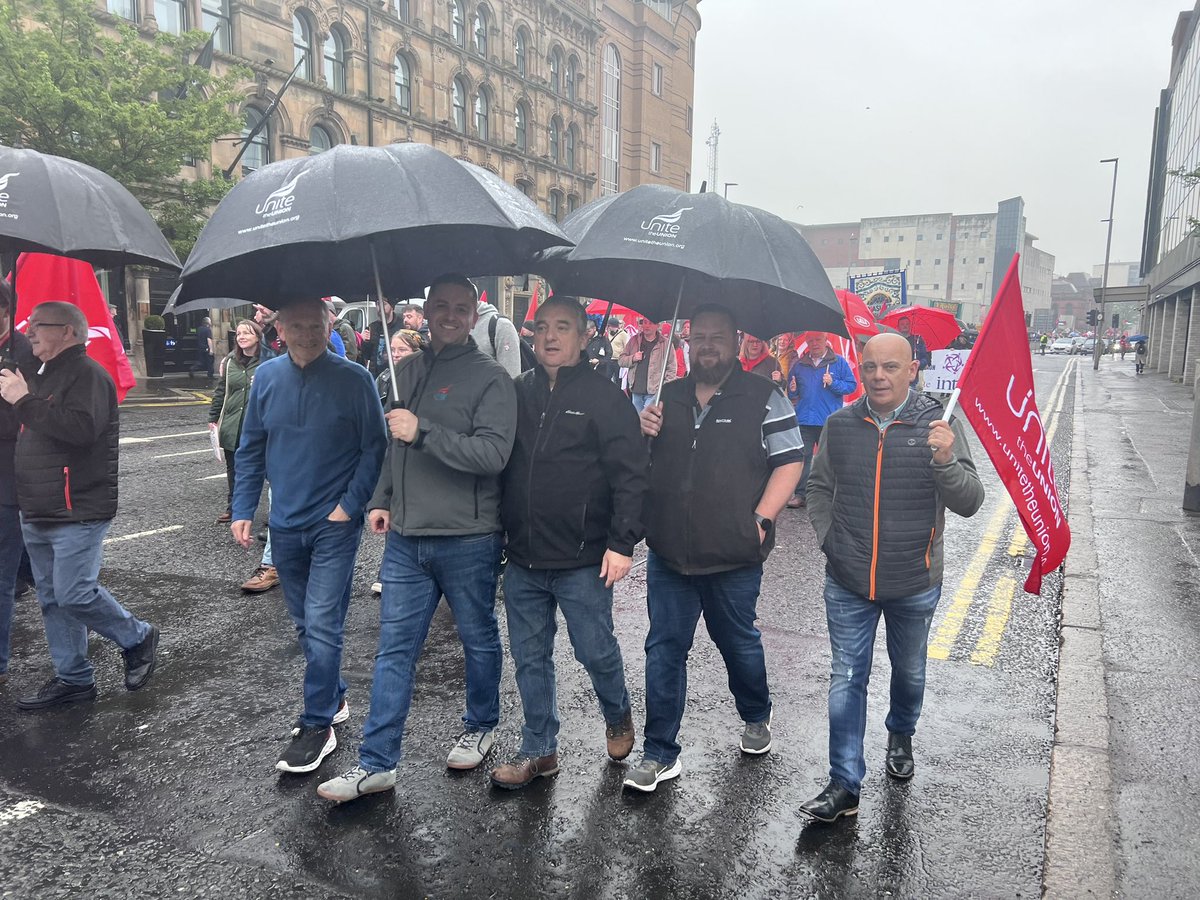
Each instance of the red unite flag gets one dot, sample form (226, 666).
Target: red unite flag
(996, 396)
(41, 277)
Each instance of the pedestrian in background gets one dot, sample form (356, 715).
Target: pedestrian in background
(379, 337)
(405, 342)
(646, 355)
(229, 399)
(886, 470)
(205, 349)
(817, 385)
(1139, 357)
(756, 358)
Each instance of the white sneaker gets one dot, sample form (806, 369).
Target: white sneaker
(377, 587)
(470, 749)
(355, 783)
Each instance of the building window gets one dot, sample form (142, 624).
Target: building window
(920, 237)
(655, 157)
(938, 237)
(319, 140)
(556, 206)
(656, 79)
(522, 127)
(936, 286)
(258, 150)
(662, 7)
(610, 165)
(687, 182)
(521, 51)
(572, 78)
(482, 114)
(403, 12)
(403, 85)
(126, 9)
(523, 187)
(171, 15)
(555, 71)
(572, 137)
(555, 139)
(938, 261)
(572, 203)
(481, 31)
(458, 23)
(981, 259)
(915, 262)
(887, 238)
(692, 52)
(979, 285)
(900, 239)
(866, 240)
(689, 120)
(458, 100)
(335, 60)
(302, 45)
(214, 18)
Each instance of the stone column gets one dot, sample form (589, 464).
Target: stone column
(1178, 337)
(1158, 340)
(1193, 338)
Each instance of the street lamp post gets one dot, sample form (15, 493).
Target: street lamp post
(1097, 346)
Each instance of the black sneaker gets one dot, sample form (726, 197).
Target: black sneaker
(58, 693)
(140, 660)
(308, 750)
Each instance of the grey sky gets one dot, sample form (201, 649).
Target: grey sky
(834, 110)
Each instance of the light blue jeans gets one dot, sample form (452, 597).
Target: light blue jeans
(853, 621)
(66, 568)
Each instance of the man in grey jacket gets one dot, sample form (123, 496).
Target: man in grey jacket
(438, 502)
(497, 336)
(886, 470)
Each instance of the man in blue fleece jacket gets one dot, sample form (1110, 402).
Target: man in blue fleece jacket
(313, 427)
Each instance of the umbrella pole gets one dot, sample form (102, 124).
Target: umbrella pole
(668, 355)
(384, 329)
(607, 313)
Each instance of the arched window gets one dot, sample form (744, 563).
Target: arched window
(555, 71)
(610, 145)
(481, 31)
(458, 99)
(403, 12)
(403, 85)
(521, 51)
(522, 127)
(483, 108)
(571, 138)
(258, 150)
(556, 204)
(335, 59)
(572, 203)
(302, 45)
(555, 139)
(572, 78)
(458, 23)
(319, 140)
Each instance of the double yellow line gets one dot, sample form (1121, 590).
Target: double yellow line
(987, 648)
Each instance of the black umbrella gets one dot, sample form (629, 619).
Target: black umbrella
(318, 225)
(663, 252)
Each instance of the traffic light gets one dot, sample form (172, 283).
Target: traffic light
(1116, 320)
(1093, 316)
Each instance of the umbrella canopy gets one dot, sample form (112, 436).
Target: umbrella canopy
(653, 247)
(859, 320)
(1138, 337)
(936, 326)
(598, 307)
(49, 204)
(310, 227)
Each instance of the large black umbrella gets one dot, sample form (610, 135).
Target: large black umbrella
(319, 225)
(49, 204)
(662, 252)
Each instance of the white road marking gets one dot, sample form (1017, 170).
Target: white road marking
(211, 477)
(160, 437)
(183, 453)
(23, 809)
(141, 534)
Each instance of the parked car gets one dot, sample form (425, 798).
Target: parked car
(1063, 345)
(360, 315)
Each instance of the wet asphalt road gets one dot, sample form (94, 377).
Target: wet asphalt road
(172, 791)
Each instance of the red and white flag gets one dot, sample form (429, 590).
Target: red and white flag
(41, 277)
(996, 395)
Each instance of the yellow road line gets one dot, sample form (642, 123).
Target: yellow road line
(988, 647)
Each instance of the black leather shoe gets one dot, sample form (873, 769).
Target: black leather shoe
(139, 661)
(831, 804)
(58, 693)
(899, 756)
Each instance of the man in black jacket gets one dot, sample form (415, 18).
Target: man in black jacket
(67, 489)
(572, 502)
(726, 456)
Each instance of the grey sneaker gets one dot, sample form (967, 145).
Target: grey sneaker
(756, 739)
(353, 784)
(469, 750)
(649, 773)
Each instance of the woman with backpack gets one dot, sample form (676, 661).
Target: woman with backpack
(229, 398)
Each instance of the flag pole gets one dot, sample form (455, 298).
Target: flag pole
(667, 350)
(951, 404)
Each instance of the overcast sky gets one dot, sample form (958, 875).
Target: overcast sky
(835, 110)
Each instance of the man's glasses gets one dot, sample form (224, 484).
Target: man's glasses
(34, 326)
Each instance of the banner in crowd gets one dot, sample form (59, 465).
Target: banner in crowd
(997, 398)
(881, 291)
(944, 370)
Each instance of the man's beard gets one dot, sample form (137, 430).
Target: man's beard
(711, 373)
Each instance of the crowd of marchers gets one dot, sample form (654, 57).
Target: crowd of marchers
(557, 448)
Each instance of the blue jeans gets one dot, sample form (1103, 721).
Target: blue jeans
(66, 568)
(531, 599)
(641, 401)
(675, 602)
(316, 567)
(853, 621)
(11, 548)
(416, 571)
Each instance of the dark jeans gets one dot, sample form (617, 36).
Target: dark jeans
(810, 435)
(229, 476)
(675, 602)
(11, 548)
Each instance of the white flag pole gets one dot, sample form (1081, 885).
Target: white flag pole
(952, 404)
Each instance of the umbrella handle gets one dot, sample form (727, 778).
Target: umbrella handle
(383, 329)
(662, 377)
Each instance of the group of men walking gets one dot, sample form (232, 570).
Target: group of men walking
(561, 470)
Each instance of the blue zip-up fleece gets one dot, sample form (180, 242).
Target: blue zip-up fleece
(317, 434)
(813, 401)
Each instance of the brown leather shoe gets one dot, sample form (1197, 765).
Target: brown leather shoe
(263, 579)
(224, 517)
(523, 769)
(620, 737)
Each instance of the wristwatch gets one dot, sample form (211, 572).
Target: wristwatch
(764, 523)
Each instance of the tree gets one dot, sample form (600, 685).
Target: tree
(132, 106)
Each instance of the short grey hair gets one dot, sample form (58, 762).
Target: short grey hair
(69, 314)
(571, 304)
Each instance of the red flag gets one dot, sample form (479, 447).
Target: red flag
(533, 302)
(42, 277)
(996, 396)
